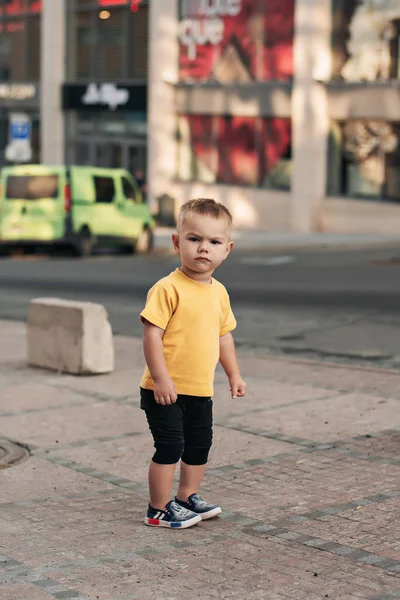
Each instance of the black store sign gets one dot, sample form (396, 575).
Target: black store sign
(104, 96)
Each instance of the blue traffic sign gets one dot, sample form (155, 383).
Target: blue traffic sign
(20, 131)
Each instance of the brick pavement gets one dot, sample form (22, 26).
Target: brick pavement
(306, 467)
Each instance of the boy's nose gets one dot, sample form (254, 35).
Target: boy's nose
(203, 247)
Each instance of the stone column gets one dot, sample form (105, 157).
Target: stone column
(163, 73)
(310, 119)
(52, 77)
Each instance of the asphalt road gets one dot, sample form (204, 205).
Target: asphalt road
(334, 305)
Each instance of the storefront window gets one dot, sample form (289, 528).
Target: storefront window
(236, 41)
(112, 33)
(107, 139)
(107, 40)
(20, 7)
(366, 39)
(364, 160)
(244, 151)
(84, 43)
(20, 40)
(33, 59)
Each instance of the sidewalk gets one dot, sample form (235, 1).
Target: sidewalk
(306, 468)
(262, 241)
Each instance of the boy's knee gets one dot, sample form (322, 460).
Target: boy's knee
(196, 455)
(168, 454)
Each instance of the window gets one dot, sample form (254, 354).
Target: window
(129, 190)
(20, 41)
(84, 46)
(246, 151)
(139, 42)
(250, 40)
(105, 189)
(365, 40)
(22, 187)
(107, 40)
(364, 160)
(112, 38)
(238, 150)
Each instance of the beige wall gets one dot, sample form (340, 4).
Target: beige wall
(343, 215)
(251, 208)
(311, 103)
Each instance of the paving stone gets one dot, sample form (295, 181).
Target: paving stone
(310, 508)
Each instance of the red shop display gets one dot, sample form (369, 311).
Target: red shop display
(19, 7)
(134, 4)
(237, 150)
(236, 40)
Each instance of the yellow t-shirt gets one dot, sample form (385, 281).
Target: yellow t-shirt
(193, 315)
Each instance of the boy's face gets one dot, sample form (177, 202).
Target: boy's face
(203, 242)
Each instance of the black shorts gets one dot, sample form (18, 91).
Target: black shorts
(180, 430)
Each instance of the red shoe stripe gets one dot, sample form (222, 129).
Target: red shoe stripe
(153, 521)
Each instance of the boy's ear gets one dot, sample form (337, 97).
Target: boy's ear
(228, 249)
(175, 241)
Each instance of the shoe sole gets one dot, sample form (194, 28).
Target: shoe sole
(172, 524)
(211, 513)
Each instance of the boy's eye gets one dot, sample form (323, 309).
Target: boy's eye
(193, 239)
(215, 242)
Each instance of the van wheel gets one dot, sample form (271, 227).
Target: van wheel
(145, 242)
(84, 245)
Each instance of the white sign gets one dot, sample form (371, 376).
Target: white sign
(20, 153)
(106, 93)
(17, 91)
(19, 147)
(203, 24)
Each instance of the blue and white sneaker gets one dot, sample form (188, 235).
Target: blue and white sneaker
(173, 515)
(200, 507)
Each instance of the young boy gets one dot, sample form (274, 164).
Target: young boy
(187, 330)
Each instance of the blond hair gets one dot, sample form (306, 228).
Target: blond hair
(203, 206)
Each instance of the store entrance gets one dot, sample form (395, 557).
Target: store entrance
(104, 139)
(119, 154)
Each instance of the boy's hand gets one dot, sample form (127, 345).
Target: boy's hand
(238, 387)
(165, 392)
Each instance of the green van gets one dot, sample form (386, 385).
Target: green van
(80, 207)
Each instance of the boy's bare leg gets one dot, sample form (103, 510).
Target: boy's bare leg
(161, 478)
(191, 477)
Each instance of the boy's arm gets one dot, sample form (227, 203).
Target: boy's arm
(228, 360)
(164, 387)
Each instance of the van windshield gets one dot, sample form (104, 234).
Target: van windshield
(31, 187)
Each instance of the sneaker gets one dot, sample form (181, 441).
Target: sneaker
(200, 507)
(174, 515)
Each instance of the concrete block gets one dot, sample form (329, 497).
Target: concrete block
(68, 336)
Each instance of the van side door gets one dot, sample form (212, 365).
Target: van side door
(134, 209)
(105, 218)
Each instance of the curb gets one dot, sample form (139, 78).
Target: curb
(331, 365)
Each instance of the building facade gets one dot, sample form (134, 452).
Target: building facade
(288, 111)
(105, 94)
(20, 24)
(82, 66)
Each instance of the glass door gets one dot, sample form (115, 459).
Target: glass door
(109, 154)
(136, 163)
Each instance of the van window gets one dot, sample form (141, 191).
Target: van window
(105, 189)
(129, 190)
(31, 187)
